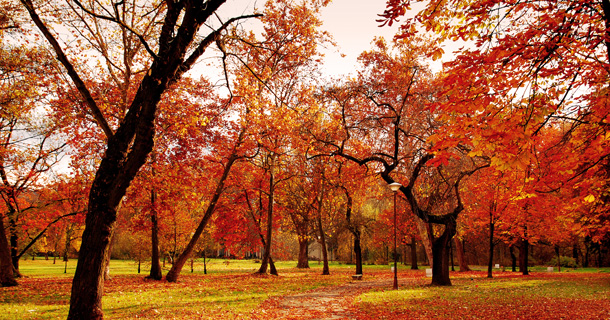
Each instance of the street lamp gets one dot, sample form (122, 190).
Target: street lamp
(395, 186)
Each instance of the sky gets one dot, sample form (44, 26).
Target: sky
(350, 22)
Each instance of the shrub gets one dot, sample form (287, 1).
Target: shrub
(566, 262)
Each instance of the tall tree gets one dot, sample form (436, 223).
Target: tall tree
(169, 34)
(29, 139)
(382, 122)
(531, 66)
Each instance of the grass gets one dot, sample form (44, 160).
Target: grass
(231, 290)
(507, 296)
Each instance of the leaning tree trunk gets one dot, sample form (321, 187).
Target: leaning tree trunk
(440, 252)
(178, 264)
(7, 277)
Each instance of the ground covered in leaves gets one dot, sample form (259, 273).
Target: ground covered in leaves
(232, 290)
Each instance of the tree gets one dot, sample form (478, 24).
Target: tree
(532, 66)
(383, 122)
(274, 84)
(29, 145)
(169, 33)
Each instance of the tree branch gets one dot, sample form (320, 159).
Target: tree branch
(78, 82)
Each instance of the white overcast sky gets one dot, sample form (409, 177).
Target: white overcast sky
(351, 23)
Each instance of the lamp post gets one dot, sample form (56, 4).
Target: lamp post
(395, 186)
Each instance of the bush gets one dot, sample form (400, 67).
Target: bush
(566, 262)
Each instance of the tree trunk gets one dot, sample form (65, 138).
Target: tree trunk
(513, 258)
(575, 252)
(426, 237)
(413, 254)
(491, 250)
(354, 229)
(325, 270)
(440, 262)
(451, 255)
(523, 257)
(155, 261)
(14, 243)
(267, 254)
(107, 262)
(7, 277)
(461, 255)
(122, 160)
(178, 264)
(358, 252)
(303, 261)
(205, 263)
(558, 258)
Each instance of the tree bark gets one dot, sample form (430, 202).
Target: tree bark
(354, 229)
(513, 258)
(523, 257)
(440, 251)
(426, 236)
(14, 243)
(7, 277)
(303, 260)
(155, 261)
(413, 254)
(558, 258)
(107, 261)
(575, 252)
(267, 255)
(491, 250)
(461, 255)
(325, 269)
(358, 252)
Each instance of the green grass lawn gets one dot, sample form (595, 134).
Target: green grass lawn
(231, 290)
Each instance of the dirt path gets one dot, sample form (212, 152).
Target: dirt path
(324, 303)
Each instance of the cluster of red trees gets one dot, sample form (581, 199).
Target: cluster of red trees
(511, 138)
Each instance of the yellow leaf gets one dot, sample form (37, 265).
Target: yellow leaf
(590, 198)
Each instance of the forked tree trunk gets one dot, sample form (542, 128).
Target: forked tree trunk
(303, 260)
(7, 277)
